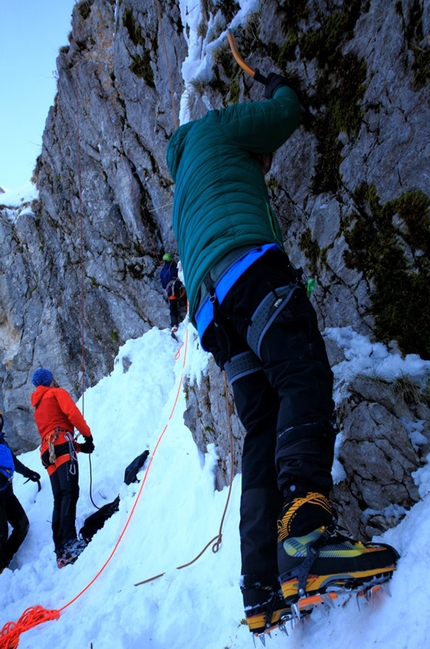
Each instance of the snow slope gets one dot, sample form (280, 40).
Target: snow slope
(175, 513)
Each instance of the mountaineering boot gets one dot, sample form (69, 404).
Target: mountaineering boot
(314, 557)
(71, 552)
(264, 608)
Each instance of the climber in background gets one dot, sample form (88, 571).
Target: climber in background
(56, 417)
(175, 290)
(252, 313)
(11, 510)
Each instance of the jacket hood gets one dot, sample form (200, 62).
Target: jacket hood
(37, 395)
(175, 147)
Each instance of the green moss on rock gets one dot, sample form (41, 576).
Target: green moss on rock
(141, 67)
(133, 28)
(311, 249)
(390, 245)
(336, 104)
(417, 41)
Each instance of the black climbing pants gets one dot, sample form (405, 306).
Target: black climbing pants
(284, 399)
(12, 513)
(65, 488)
(177, 306)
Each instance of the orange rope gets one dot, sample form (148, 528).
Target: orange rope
(9, 635)
(139, 493)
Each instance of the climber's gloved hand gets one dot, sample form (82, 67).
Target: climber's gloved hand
(32, 475)
(274, 81)
(87, 446)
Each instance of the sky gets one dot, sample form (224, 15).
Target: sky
(31, 34)
(168, 517)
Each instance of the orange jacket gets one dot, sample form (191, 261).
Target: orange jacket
(54, 407)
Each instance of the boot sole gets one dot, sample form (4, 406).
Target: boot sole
(257, 623)
(318, 584)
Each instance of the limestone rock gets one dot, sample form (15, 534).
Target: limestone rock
(380, 450)
(93, 242)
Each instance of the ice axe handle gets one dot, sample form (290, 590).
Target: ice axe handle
(255, 74)
(260, 77)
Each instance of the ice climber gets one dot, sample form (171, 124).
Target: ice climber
(56, 416)
(253, 314)
(175, 290)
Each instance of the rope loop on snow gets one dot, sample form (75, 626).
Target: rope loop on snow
(10, 634)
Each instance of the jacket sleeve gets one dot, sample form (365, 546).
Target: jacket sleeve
(262, 126)
(20, 467)
(71, 411)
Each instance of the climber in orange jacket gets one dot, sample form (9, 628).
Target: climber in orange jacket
(56, 416)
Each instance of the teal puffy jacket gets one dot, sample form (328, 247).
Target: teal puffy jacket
(221, 201)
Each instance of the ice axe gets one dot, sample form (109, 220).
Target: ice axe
(255, 74)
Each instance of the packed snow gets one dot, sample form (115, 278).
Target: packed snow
(166, 519)
(16, 202)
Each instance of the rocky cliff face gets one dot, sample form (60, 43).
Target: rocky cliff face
(351, 189)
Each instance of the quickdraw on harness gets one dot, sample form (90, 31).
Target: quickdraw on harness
(58, 448)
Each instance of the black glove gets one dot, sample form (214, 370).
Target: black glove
(1, 421)
(274, 81)
(32, 475)
(87, 446)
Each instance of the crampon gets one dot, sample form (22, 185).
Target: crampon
(363, 592)
(340, 591)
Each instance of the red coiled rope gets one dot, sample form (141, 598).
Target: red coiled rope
(9, 637)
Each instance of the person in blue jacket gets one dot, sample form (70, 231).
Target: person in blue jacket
(11, 511)
(253, 314)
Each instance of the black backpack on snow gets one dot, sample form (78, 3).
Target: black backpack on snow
(96, 521)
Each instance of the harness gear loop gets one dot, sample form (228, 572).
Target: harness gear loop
(175, 290)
